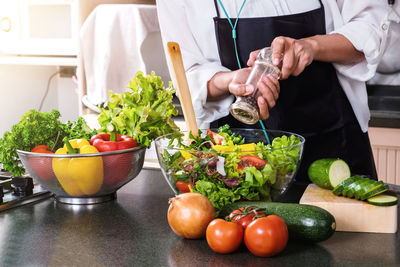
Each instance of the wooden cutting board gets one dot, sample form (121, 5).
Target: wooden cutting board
(350, 214)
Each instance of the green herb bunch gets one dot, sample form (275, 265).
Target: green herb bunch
(38, 128)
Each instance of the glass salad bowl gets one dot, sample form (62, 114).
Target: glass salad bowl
(228, 165)
(84, 178)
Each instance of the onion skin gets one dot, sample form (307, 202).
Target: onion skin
(189, 215)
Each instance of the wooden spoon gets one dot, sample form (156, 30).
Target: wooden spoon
(178, 69)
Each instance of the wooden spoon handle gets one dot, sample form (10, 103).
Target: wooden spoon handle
(175, 56)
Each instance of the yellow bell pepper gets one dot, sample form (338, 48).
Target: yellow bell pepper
(245, 148)
(79, 176)
(185, 153)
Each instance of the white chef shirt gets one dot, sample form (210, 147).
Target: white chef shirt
(190, 24)
(388, 71)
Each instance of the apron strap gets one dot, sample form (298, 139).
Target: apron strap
(216, 8)
(322, 6)
(234, 36)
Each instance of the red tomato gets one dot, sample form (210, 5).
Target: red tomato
(250, 161)
(217, 139)
(244, 216)
(41, 166)
(182, 186)
(103, 144)
(267, 236)
(42, 149)
(223, 236)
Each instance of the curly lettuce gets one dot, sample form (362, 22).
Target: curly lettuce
(144, 112)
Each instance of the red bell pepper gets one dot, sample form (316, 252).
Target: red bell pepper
(104, 142)
(116, 167)
(42, 166)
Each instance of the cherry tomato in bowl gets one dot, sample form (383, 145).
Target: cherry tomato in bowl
(42, 166)
(250, 161)
(183, 186)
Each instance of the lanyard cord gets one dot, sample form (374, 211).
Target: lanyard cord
(236, 51)
(234, 28)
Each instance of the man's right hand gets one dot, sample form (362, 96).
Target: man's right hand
(268, 90)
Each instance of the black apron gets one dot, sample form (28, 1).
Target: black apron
(312, 104)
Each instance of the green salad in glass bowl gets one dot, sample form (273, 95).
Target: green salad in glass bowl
(228, 165)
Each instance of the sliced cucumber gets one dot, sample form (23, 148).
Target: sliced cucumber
(370, 187)
(349, 187)
(374, 192)
(357, 186)
(328, 173)
(383, 200)
(337, 190)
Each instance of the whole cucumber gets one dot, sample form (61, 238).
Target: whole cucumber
(304, 222)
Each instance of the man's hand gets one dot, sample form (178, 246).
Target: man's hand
(297, 54)
(268, 90)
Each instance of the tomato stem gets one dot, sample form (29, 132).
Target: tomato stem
(246, 211)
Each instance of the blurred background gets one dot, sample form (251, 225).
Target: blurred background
(42, 64)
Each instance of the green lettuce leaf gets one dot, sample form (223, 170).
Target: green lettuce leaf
(144, 112)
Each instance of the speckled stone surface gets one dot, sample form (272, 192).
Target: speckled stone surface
(133, 231)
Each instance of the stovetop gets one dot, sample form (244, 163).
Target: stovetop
(18, 191)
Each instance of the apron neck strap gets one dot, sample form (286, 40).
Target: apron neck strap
(216, 8)
(322, 6)
(233, 26)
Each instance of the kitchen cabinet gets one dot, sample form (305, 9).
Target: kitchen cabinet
(133, 231)
(385, 144)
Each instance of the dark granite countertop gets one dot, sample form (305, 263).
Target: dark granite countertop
(133, 231)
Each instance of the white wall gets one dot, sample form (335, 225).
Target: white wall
(22, 88)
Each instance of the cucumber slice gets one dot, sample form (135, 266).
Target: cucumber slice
(337, 190)
(372, 186)
(328, 173)
(357, 186)
(383, 200)
(374, 192)
(349, 187)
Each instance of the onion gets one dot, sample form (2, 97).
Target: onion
(189, 215)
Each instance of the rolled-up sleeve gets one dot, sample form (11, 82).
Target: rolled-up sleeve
(175, 27)
(361, 24)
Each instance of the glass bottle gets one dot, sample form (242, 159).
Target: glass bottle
(245, 108)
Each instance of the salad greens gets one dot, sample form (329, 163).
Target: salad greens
(143, 113)
(226, 177)
(230, 137)
(37, 128)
